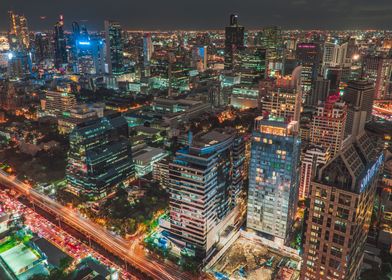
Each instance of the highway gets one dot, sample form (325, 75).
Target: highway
(114, 244)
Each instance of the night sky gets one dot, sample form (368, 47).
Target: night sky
(205, 14)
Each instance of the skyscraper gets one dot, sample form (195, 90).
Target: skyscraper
(282, 97)
(148, 49)
(360, 94)
(379, 70)
(114, 48)
(328, 125)
(313, 157)
(273, 178)
(60, 45)
(234, 41)
(341, 203)
(309, 56)
(252, 65)
(205, 183)
(100, 156)
(18, 34)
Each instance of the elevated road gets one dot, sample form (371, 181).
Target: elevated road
(113, 244)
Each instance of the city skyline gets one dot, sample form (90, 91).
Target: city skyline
(290, 14)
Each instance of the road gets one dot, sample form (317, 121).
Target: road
(116, 245)
(57, 236)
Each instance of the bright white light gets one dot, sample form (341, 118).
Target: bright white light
(355, 56)
(10, 55)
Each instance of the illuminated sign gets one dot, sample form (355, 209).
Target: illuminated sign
(371, 172)
(84, 43)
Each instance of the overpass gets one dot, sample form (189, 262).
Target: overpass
(113, 244)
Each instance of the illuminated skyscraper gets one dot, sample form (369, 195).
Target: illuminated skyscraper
(114, 48)
(60, 45)
(252, 65)
(379, 70)
(309, 56)
(100, 156)
(341, 204)
(273, 178)
(148, 49)
(328, 125)
(234, 41)
(359, 94)
(205, 184)
(313, 157)
(18, 33)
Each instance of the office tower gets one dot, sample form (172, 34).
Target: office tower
(42, 47)
(56, 103)
(334, 75)
(282, 97)
(19, 65)
(148, 50)
(89, 56)
(328, 125)
(313, 156)
(273, 178)
(252, 65)
(18, 34)
(378, 69)
(320, 92)
(341, 204)
(234, 41)
(205, 182)
(360, 94)
(335, 54)
(114, 48)
(60, 46)
(271, 39)
(200, 58)
(100, 156)
(178, 75)
(309, 56)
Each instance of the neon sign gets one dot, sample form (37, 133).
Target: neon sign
(371, 172)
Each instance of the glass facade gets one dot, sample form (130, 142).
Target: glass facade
(273, 177)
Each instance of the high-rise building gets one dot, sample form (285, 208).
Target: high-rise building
(309, 56)
(335, 54)
(328, 125)
(100, 156)
(42, 47)
(60, 45)
(200, 58)
(273, 178)
(114, 48)
(205, 185)
(379, 70)
(360, 94)
(89, 55)
(148, 49)
(252, 65)
(341, 204)
(271, 39)
(18, 34)
(320, 92)
(312, 157)
(234, 41)
(282, 97)
(56, 103)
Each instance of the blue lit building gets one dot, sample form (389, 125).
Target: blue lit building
(89, 56)
(273, 178)
(100, 156)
